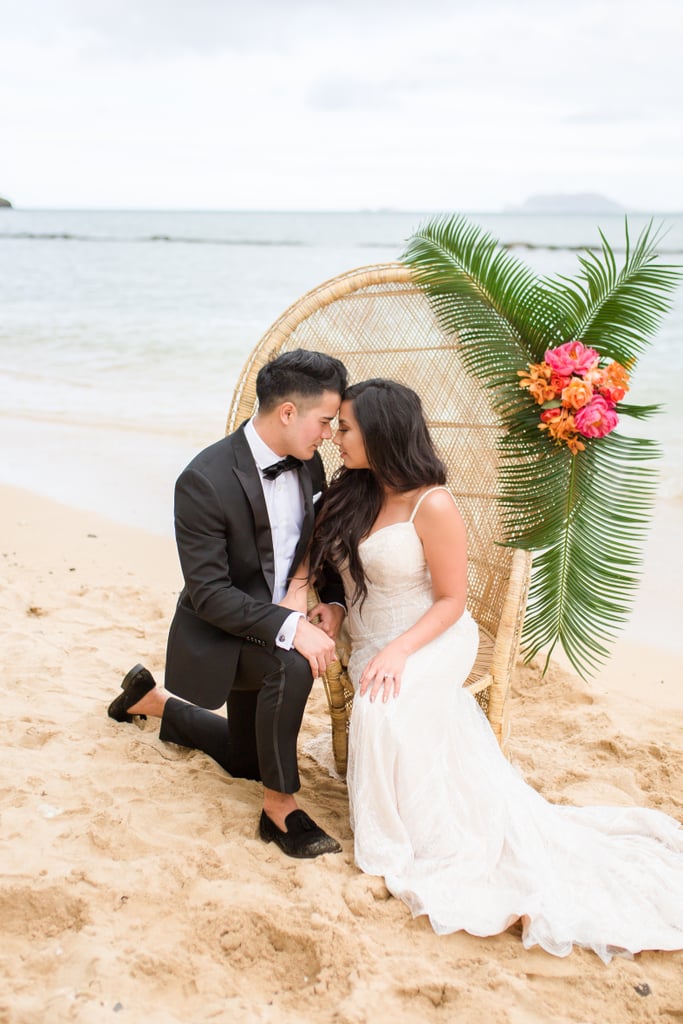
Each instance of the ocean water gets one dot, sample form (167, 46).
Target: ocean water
(122, 333)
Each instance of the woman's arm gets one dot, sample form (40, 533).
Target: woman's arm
(296, 597)
(328, 617)
(441, 529)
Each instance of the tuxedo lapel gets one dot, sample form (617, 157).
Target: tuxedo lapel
(309, 516)
(250, 482)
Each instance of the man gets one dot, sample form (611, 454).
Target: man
(244, 511)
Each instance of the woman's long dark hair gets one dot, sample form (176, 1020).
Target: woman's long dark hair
(401, 456)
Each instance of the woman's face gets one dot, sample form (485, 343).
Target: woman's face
(349, 439)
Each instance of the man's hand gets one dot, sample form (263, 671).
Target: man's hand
(315, 646)
(329, 618)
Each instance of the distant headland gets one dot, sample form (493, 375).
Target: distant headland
(5, 202)
(581, 202)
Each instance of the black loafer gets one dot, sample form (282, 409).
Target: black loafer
(303, 837)
(135, 685)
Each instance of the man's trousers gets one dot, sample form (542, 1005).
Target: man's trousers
(265, 709)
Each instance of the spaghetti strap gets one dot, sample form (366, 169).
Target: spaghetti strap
(422, 498)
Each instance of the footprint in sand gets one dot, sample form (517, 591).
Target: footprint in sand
(361, 895)
(34, 738)
(35, 913)
(268, 955)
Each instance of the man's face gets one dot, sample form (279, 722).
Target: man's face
(307, 424)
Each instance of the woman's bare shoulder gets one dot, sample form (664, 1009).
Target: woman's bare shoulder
(434, 505)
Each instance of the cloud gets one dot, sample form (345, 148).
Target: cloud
(303, 103)
(132, 29)
(331, 93)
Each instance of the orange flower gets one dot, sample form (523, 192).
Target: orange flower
(536, 382)
(612, 394)
(541, 391)
(588, 393)
(614, 383)
(536, 371)
(559, 423)
(558, 383)
(617, 376)
(548, 415)
(565, 428)
(576, 394)
(561, 427)
(575, 446)
(596, 377)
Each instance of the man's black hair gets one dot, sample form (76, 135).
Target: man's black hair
(299, 374)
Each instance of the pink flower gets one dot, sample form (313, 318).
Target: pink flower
(572, 357)
(596, 419)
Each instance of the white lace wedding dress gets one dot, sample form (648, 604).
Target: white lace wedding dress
(457, 834)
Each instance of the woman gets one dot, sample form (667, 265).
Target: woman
(436, 808)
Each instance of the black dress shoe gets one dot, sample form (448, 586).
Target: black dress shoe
(135, 685)
(303, 837)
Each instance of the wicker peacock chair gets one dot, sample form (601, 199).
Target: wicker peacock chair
(379, 323)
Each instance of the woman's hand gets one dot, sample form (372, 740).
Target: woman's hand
(383, 673)
(328, 617)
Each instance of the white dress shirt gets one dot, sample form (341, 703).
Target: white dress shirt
(285, 506)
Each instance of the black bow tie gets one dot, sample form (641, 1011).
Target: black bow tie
(273, 472)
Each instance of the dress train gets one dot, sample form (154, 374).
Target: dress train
(450, 824)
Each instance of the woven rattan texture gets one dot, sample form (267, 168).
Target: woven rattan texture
(381, 325)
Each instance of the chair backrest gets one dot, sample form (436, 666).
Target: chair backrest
(380, 324)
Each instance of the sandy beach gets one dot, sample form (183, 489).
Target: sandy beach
(133, 880)
(174, 178)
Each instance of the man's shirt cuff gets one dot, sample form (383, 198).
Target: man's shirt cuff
(285, 634)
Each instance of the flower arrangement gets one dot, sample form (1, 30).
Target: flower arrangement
(584, 518)
(578, 396)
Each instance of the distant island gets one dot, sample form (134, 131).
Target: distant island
(581, 202)
(5, 202)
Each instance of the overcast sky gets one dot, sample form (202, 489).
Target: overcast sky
(319, 104)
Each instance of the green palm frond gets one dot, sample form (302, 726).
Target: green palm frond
(616, 311)
(532, 492)
(583, 515)
(491, 300)
(639, 412)
(589, 563)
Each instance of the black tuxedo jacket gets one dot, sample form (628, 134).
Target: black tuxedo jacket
(226, 555)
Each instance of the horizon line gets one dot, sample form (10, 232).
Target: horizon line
(351, 210)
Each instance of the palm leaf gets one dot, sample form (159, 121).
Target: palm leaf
(490, 299)
(585, 578)
(639, 412)
(583, 515)
(617, 311)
